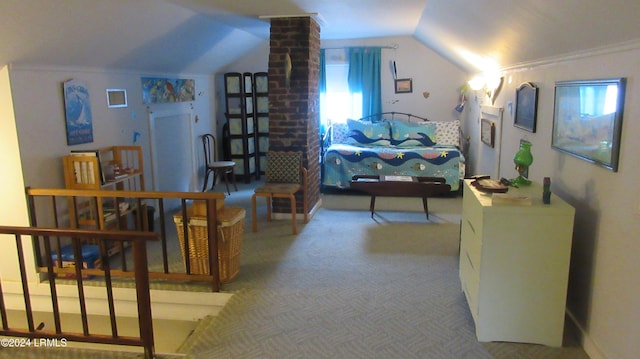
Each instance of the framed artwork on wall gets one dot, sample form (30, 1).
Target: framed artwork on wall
(164, 90)
(116, 98)
(526, 107)
(404, 85)
(587, 120)
(77, 110)
(487, 132)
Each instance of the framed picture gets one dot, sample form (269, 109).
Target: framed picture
(77, 110)
(488, 132)
(587, 120)
(116, 98)
(164, 90)
(526, 107)
(404, 85)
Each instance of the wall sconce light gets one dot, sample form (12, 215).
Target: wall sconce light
(491, 85)
(477, 83)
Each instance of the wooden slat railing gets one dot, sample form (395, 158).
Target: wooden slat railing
(58, 208)
(140, 273)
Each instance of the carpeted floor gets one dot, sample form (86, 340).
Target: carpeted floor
(349, 286)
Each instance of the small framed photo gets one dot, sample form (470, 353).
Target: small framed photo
(116, 98)
(488, 132)
(526, 107)
(404, 85)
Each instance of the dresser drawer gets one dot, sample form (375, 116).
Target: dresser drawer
(470, 251)
(470, 279)
(471, 247)
(473, 217)
(470, 259)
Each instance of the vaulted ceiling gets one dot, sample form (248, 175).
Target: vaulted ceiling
(202, 36)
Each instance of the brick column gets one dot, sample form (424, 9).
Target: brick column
(294, 105)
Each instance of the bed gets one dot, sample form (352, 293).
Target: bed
(393, 143)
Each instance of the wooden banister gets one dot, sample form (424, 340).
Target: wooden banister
(60, 197)
(138, 240)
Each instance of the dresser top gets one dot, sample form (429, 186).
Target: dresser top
(534, 191)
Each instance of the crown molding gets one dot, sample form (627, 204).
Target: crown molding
(573, 56)
(98, 70)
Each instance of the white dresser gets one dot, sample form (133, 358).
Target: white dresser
(514, 265)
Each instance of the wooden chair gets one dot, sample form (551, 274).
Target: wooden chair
(284, 177)
(212, 165)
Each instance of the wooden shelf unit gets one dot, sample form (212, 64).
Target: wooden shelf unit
(94, 170)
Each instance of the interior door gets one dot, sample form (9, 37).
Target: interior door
(172, 153)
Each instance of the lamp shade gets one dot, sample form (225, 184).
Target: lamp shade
(523, 157)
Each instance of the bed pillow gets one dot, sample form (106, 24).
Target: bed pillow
(368, 133)
(448, 132)
(405, 134)
(339, 133)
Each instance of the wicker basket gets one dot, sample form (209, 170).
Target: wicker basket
(230, 228)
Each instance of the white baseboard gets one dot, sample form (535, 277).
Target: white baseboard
(588, 344)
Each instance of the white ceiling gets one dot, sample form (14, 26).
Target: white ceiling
(201, 36)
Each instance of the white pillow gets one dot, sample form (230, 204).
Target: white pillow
(339, 133)
(448, 132)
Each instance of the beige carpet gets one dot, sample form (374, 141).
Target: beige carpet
(349, 286)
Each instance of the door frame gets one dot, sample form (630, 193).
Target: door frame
(152, 116)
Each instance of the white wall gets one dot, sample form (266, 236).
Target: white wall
(13, 210)
(39, 112)
(604, 284)
(428, 70)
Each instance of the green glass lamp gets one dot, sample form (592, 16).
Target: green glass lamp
(523, 159)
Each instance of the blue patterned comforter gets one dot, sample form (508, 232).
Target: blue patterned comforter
(341, 162)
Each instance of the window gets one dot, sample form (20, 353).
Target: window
(337, 104)
(349, 84)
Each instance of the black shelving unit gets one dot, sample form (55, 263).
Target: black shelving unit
(241, 121)
(261, 103)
